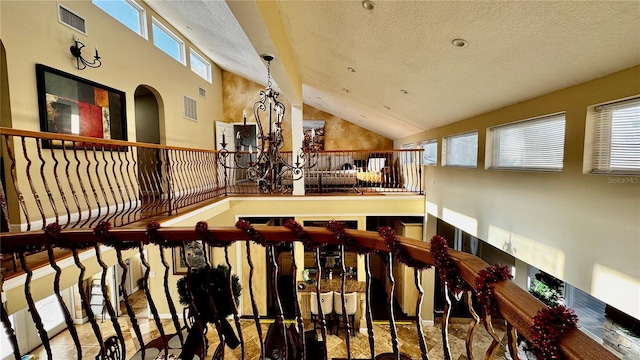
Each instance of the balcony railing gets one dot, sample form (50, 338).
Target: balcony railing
(515, 305)
(79, 182)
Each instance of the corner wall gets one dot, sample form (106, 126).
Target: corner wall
(582, 228)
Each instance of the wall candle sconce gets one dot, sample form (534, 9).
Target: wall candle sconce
(81, 63)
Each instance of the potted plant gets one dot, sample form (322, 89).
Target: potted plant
(212, 280)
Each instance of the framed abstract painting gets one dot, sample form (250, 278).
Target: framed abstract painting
(72, 105)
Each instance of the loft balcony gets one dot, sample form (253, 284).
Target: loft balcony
(115, 203)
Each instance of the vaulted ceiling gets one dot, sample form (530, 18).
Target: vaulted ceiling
(395, 70)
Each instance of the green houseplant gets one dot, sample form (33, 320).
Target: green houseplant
(212, 280)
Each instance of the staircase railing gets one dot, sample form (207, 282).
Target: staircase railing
(515, 306)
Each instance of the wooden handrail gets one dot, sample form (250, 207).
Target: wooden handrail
(92, 140)
(516, 305)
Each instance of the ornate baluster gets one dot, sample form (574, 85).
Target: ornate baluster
(113, 175)
(144, 182)
(274, 286)
(118, 185)
(107, 299)
(369, 314)
(212, 305)
(496, 339)
(168, 173)
(93, 190)
(135, 187)
(86, 305)
(198, 325)
(36, 197)
(234, 307)
(417, 276)
(3, 206)
(71, 187)
(512, 339)
(392, 320)
(345, 317)
(445, 322)
(473, 326)
(14, 178)
(323, 323)
(155, 180)
(254, 306)
(167, 293)
(107, 177)
(126, 188)
(100, 185)
(32, 306)
(8, 329)
(44, 180)
(150, 302)
(125, 296)
(56, 289)
(82, 187)
(301, 339)
(60, 191)
(180, 184)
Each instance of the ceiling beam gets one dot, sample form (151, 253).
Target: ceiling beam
(263, 25)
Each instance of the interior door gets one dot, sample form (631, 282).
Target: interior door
(225, 130)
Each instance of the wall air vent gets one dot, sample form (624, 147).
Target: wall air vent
(71, 19)
(190, 108)
(202, 92)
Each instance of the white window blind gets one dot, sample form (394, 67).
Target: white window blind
(461, 150)
(617, 137)
(430, 153)
(534, 144)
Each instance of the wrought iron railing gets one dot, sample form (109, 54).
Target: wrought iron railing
(515, 306)
(79, 181)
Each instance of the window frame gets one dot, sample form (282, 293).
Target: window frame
(601, 137)
(446, 151)
(181, 44)
(423, 144)
(192, 54)
(142, 18)
(494, 139)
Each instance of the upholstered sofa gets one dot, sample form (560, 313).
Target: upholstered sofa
(328, 172)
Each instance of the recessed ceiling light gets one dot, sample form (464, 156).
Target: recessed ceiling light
(404, 91)
(459, 42)
(368, 4)
(345, 90)
(351, 69)
(387, 107)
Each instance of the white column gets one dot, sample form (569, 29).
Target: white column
(296, 143)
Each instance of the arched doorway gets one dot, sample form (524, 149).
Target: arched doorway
(154, 190)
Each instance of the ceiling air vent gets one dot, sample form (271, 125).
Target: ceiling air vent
(190, 108)
(202, 92)
(71, 19)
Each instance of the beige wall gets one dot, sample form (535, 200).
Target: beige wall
(31, 34)
(343, 135)
(582, 228)
(239, 94)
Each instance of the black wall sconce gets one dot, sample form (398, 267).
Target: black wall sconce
(81, 63)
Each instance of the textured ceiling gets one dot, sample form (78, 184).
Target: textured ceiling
(516, 50)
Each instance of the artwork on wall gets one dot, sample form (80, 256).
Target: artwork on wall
(313, 134)
(195, 254)
(75, 106)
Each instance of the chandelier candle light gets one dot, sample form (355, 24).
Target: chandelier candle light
(268, 168)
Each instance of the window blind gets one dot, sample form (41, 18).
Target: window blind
(534, 144)
(617, 137)
(461, 150)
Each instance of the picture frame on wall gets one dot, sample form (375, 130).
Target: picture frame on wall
(71, 105)
(194, 252)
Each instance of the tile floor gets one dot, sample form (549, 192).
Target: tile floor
(63, 348)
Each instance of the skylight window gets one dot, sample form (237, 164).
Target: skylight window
(168, 42)
(128, 12)
(200, 66)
